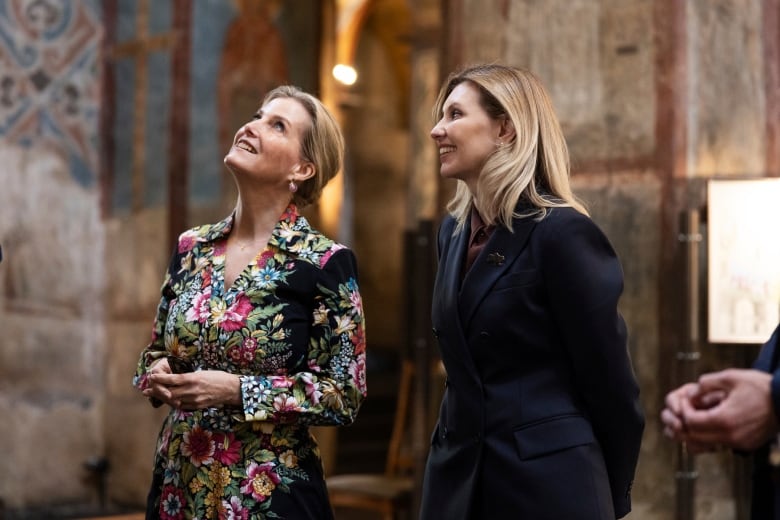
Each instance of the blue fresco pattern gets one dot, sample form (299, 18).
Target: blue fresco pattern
(50, 79)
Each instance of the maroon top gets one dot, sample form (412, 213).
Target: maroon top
(480, 233)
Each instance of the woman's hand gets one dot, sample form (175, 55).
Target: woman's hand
(194, 390)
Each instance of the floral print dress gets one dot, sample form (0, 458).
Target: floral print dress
(292, 327)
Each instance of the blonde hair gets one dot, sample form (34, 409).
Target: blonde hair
(322, 143)
(532, 167)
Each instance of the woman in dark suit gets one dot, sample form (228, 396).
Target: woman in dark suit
(540, 417)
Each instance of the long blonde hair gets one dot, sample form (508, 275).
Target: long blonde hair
(322, 143)
(533, 166)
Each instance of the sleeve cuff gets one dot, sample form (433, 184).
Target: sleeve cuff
(775, 390)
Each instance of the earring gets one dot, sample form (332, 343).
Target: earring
(293, 187)
(500, 144)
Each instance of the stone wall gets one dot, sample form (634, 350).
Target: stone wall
(654, 97)
(51, 347)
(137, 256)
(52, 277)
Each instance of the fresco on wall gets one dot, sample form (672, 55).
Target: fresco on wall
(238, 50)
(141, 42)
(262, 45)
(49, 85)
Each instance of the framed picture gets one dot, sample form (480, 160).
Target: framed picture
(743, 271)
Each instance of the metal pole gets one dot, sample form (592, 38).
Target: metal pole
(688, 356)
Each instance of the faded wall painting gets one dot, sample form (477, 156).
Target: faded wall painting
(49, 91)
(237, 50)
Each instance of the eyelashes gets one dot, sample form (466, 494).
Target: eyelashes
(276, 124)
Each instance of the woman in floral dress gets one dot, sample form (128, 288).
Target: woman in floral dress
(259, 334)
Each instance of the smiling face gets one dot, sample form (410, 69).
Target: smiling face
(268, 148)
(465, 135)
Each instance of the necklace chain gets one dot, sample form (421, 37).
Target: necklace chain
(242, 245)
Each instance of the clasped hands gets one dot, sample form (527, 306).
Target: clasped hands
(193, 390)
(727, 409)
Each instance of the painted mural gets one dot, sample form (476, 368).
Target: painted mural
(140, 43)
(51, 78)
(239, 49)
(239, 58)
(49, 84)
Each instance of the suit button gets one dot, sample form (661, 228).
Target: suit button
(435, 332)
(444, 433)
(484, 336)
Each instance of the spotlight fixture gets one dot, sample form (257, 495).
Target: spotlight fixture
(345, 74)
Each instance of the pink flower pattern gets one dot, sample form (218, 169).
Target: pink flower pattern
(200, 310)
(222, 463)
(234, 318)
(227, 450)
(261, 480)
(233, 510)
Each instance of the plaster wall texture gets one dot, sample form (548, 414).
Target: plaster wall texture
(52, 346)
(78, 289)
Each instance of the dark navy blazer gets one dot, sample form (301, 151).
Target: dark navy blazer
(540, 417)
(766, 486)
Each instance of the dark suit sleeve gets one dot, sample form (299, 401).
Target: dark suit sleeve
(584, 281)
(768, 362)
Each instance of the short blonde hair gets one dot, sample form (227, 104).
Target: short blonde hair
(322, 143)
(533, 167)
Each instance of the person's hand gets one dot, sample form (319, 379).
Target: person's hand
(730, 408)
(194, 390)
(154, 390)
(672, 416)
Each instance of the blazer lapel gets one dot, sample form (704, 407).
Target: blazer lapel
(445, 312)
(497, 256)
(447, 284)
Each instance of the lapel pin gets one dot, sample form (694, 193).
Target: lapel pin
(495, 259)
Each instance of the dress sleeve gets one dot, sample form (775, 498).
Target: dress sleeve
(156, 347)
(332, 388)
(584, 281)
